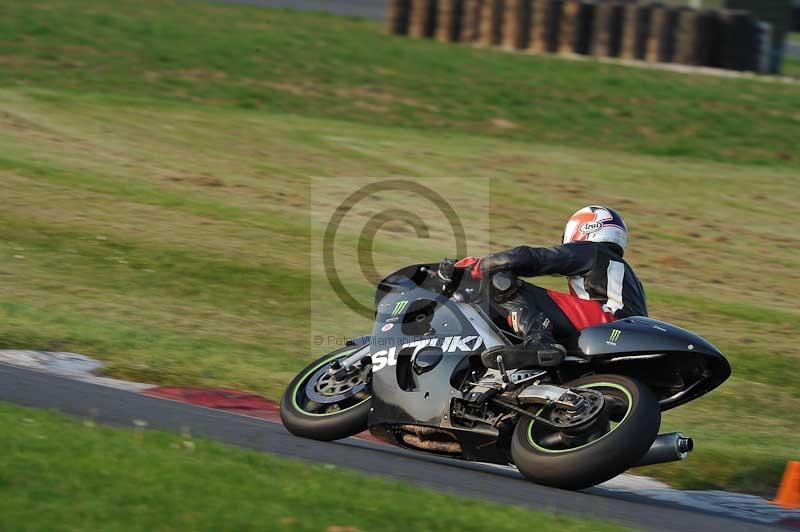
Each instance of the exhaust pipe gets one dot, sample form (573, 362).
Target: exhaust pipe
(429, 439)
(669, 447)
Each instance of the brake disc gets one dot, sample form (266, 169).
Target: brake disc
(584, 413)
(324, 388)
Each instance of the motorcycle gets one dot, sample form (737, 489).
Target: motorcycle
(418, 382)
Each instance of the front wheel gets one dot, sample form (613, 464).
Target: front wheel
(318, 406)
(622, 434)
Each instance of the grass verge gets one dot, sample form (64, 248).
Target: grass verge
(85, 477)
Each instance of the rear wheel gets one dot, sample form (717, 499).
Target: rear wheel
(319, 406)
(620, 436)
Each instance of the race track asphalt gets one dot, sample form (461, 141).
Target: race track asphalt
(120, 408)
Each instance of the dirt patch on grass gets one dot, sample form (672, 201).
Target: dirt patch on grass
(297, 89)
(374, 94)
(201, 181)
(502, 123)
(17, 61)
(199, 74)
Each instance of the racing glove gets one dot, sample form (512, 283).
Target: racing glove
(473, 264)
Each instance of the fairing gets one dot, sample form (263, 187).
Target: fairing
(656, 351)
(403, 396)
(641, 335)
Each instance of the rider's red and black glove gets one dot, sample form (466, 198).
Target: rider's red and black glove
(473, 264)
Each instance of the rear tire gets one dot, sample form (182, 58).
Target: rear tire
(602, 456)
(335, 420)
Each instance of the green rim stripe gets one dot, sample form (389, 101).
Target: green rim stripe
(591, 385)
(311, 372)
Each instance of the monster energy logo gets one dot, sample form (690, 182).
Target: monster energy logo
(399, 307)
(615, 334)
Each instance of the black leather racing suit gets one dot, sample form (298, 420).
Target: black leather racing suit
(596, 271)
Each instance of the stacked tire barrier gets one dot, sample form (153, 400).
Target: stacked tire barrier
(491, 27)
(546, 25)
(422, 20)
(449, 14)
(576, 27)
(517, 24)
(694, 43)
(738, 48)
(607, 34)
(471, 21)
(634, 31)
(397, 13)
(778, 14)
(663, 34)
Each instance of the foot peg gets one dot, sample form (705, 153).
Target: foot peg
(502, 368)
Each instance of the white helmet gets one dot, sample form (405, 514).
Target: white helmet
(596, 223)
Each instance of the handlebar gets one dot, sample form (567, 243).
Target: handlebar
(499, 284)
(447, 284)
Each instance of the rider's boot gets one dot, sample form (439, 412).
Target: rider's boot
(538, 348)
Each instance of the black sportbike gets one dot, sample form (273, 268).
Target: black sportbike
(418, 382)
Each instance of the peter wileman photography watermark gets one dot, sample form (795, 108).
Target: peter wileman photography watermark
(363, 229)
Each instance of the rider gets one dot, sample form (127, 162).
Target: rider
(603, 287)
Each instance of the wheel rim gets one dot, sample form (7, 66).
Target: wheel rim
(618, 415)
(333, 397)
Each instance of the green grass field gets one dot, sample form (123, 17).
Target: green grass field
(223, 56)
(154, 173)
(85, 477)
(791, 67)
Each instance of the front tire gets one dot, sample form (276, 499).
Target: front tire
(613, 445)
(338, 412)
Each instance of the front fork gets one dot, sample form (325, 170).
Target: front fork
(341, 368)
